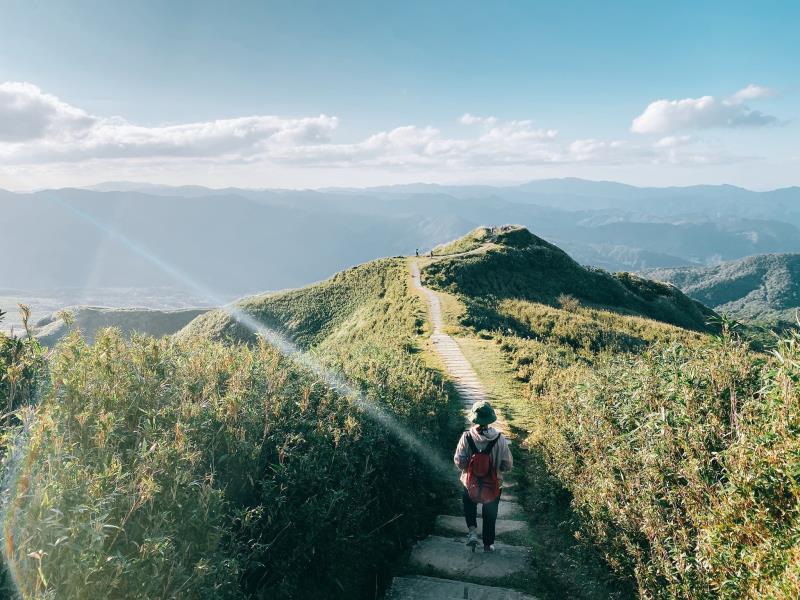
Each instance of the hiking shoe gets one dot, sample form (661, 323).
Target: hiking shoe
(472, 538)
(488, 548)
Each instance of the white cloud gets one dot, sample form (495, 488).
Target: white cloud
(39, 131)
(753, 92)
(664, 116)
(498, 143)
(26, 114)
(36, 127)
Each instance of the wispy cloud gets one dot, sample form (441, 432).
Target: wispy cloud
(752, 92)
(665, 116)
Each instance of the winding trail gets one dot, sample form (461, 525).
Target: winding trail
(441, 566)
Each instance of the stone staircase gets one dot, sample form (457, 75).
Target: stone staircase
(442, 567)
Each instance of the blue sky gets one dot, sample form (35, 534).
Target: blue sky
(553, 89)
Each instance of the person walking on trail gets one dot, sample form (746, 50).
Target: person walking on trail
(482, 456)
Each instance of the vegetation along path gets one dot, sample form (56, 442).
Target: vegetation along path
(441, 566)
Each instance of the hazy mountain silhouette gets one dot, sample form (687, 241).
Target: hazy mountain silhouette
(242, 240)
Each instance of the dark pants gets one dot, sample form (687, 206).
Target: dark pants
(488, 513)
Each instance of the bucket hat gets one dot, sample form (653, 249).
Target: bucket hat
(482, 413)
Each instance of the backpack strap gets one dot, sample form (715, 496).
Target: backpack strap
(491, 444)
(474, 448)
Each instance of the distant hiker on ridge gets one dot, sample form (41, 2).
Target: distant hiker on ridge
(417, 252)
(482, 456)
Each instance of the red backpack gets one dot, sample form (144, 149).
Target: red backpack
(482, 483)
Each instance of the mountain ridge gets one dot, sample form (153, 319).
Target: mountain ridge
(508, 262)
(577, 182)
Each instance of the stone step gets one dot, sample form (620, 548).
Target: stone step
(431, 588)
(453, 524)
(452, 557)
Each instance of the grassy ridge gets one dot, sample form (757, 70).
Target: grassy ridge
(472, 241)
(523, 266)
(190, 467)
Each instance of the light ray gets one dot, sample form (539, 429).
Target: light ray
(283, 344)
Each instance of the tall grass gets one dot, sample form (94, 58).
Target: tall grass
(22, 366)
(21, 363)
(680, 452)
(684, 462)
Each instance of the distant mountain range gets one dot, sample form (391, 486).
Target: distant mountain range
(236, 241)
(757, 288)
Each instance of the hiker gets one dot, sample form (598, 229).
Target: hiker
(431, 253)
(417, 252)
(482, 456)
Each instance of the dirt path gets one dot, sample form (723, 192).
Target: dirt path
(442, 567)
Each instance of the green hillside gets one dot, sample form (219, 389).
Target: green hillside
(764, 288)
(516, 264)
